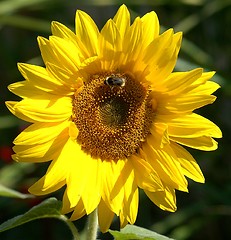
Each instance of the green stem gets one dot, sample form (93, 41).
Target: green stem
(71, 226)
(92, 227)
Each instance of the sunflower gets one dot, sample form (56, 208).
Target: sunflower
(111, 115)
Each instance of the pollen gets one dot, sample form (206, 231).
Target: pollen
(112, 121)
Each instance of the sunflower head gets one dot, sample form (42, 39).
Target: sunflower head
(120, 116)
(112, 117)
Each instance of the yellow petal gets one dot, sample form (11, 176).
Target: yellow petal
(90, 67)
(39, 133)
(189, 166)
(161, 55)
(165, 200)
(39, 77)
(203, 143)
(26, 89)
(105, 216)
(132, 44)
(69, 80)
(67, 53)
(87, 31)
(61, 31)
(131, 195)
(145, 176)
(190, 126)
(122, 20)
(57, 172)
(44, 147)
(205, 89)
(79, 165)
(159, 131)
(73, 131)
(92, 192)
(178, 82)
(109, 39)
(66, 206)
(112, 180)
(110, 46)
(11, 106)
(151, 27)
(83, 177)
(79, 211)
(164, 161)
(184, 104)
(55, 109)
(204, 78)
(39, 153)
(47, 51)
(123, 220)
(38, 187)
(73, 172)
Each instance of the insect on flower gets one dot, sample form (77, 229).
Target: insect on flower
(113, 81)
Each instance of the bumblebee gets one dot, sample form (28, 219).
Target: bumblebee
(113, 81)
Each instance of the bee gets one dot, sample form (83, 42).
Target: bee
(113, 81)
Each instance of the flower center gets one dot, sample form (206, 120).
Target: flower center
(113, 114)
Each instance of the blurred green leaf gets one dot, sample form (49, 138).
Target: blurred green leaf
(8, 192)
(9, 121)
(201, 57)
(13, 173)
(10, 6)
(144, 2)
(26, 23)
(137, 233)
(178, 218)
(50, 208)
(186, 231)
(184, 65)
(208, 10)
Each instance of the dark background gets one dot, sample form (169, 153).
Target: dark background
(203, 213)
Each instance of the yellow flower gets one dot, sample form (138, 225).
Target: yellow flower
(111, 116)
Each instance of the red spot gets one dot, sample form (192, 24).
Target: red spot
(5, 153)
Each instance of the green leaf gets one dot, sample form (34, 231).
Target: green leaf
(12, 174)
(8, 192)
(10, 6)
(26, 23)
(8, 121)
(50, 208)
(131, 232)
